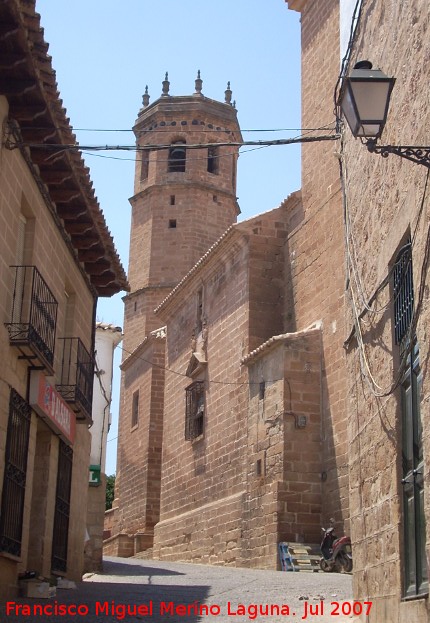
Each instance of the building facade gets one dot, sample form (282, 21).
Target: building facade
(385, 207)
(107, 338)
(185, 198)
(232, 424)
(230, 487)
(56, 258)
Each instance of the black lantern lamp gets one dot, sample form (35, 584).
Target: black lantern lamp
(364, 101)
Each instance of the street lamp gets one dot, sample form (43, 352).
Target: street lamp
(364, 101)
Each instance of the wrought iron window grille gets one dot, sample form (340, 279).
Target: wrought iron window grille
(403, 295)
(33, 317)
(12, 505)
(194, 410)
(60, 535)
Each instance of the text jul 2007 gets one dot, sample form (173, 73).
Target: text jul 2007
(168, 608)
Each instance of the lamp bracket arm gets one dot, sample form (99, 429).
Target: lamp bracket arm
(414, 153)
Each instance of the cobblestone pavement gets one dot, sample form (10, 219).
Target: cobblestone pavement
(158, 592)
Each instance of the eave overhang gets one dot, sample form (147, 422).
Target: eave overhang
(38, 120)
(297, 5)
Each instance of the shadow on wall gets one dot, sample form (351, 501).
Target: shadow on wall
(333, 473)
(295, 219)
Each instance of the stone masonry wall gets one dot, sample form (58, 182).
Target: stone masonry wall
(266, 276)
(202, 477)
(284, 447)
(301, 491)
(202, 480)
(387, 202)
(315, 247)
(44, 248)
(138, 476)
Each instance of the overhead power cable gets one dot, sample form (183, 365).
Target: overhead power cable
(200, 130)
(157, 147)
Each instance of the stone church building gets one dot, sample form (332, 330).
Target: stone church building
(231, 418)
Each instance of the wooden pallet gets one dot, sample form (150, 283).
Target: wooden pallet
(299, 557)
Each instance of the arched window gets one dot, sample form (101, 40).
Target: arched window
(177, 156)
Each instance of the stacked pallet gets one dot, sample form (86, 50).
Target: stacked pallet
(299, 557)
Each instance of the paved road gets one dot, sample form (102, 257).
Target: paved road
(159, 592)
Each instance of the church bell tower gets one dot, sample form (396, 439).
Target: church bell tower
(184, 194)
(184, 200)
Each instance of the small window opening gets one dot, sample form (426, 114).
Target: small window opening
(213, 160)
(172, 224)
(135, 409)
(199, 325)
(172, 200)
(144, 165)
(259, 468)
(177, 157)
(214, 198)
(233, 174)
(262, 391)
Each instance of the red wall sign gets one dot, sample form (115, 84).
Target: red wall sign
(48, 403)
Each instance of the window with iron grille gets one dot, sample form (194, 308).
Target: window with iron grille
(194, 410)
(60, 537)
(403, 293)
(12, 506)
(415, 577)
(414, 532)
(135, 409)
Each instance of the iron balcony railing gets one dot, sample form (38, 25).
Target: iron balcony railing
(77, 376)
(33, 318)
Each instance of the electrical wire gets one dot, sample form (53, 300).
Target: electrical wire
(159, 161)
(352, 256)
(169, 129)
(380, 391)
(55, 147)
(208, 381)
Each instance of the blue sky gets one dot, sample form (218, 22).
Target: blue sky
(105, 52)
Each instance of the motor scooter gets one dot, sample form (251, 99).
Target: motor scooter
(336, 552)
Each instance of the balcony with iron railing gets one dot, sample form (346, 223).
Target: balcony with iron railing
(77, 377)
(33, 318)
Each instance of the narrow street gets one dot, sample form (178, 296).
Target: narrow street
(131, 589)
